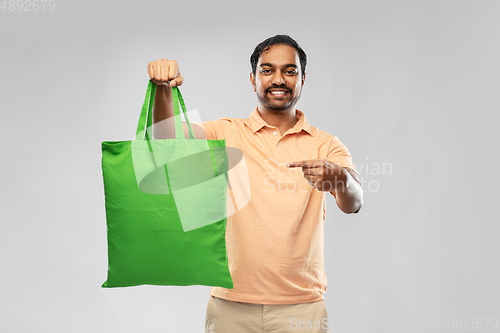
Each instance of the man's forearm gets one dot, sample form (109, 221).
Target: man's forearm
(349, 193)
(164, 117)
(163, 113)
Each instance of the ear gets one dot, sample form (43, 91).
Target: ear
(252, 80)
(303, 78)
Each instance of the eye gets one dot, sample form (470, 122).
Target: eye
(291, 72)
(265, 71)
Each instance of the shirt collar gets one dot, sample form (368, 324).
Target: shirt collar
(256, 122)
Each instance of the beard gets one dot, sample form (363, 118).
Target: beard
(277, 107)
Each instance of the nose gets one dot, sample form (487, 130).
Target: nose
(278, 78)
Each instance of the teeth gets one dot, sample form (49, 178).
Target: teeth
(277, 92)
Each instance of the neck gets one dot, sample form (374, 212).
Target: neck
(283, 120)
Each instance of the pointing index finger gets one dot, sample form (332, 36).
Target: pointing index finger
(305, 164)
(295, 164)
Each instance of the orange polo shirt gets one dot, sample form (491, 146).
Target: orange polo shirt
(275, 242)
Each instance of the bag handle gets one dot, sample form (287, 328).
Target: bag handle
(146, 117)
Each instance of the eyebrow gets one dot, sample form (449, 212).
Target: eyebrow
(271, 65)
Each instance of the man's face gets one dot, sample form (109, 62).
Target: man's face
(278, 78)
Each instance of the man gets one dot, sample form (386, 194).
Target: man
(274, 243)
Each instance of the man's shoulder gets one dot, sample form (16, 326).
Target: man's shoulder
(232, 122)
(225, 126)
(324, 138)
(322, 135)
(229, 121)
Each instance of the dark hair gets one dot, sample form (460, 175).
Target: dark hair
(278, 40)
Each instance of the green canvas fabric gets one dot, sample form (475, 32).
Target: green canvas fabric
(165, 206)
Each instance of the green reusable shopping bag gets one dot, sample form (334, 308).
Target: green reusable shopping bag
(165, 206)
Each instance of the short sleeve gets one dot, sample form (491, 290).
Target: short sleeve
(217, 129)
(339, 154)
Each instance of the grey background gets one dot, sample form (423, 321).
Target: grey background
(409, 84)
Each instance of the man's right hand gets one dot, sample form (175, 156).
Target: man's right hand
(165, 72)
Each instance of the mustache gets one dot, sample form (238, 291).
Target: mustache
(275, 86)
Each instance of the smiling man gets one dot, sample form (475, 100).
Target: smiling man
(274, 243)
